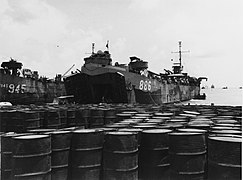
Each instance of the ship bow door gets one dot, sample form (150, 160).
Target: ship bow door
(109, 88)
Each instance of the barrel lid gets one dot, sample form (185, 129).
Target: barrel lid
(192, 112)
(192, 130)
(124, 115)
(120, 133)
(131, 130)
(161, 117)
(227, 124)
(198, 125)
(226, 139)
(157, 131)
(188, 115)
(129, 112)
(87, 130)
(225, 128)
(227, 131)
(147, 124)
(185, 133)
(34, 136)
(163, 114)
(225, 135)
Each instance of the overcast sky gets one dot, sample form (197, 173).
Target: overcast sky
(52, 35)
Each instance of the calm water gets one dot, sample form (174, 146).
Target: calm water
(230, 96)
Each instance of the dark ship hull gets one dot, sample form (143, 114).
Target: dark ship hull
(18, 89)
(100, 81)
(126, 87)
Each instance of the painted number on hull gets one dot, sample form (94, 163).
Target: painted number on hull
(19, 88)
(145, 85)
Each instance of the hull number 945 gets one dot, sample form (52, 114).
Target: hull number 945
(14, 88)
(145, 85)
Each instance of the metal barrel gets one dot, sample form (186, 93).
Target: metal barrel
(153, 154)
(96, 118)
(82, 117)
(134, 130)
(120, 156)
(6, 149)
(14, 121)
(52, 119)
(86, 154)
(187, 155)
(71, 120)
(31, 157)
(4, 116)
(6, 155)
(224, 158)
(62, 112)
(31, 120)
(60, 146)
(110, 116)
(17, 121)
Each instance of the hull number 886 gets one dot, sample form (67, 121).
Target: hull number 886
(145, 85)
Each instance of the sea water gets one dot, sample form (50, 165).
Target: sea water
(219, 96)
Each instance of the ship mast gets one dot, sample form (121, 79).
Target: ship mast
(180, 68)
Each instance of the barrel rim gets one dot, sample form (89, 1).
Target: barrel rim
(84, 131)
(225, 139)
(120, 133)
(184, 134)
(192, 130)
(31, 137)
(157, 131)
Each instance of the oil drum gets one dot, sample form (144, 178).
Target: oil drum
(31, 157)
(153, 154)
(60, 146)
(110, 116)
(71, 120)
(96, 118)
(86, 154)
(224, 158)
(52, 119)
(82, 117)
(120, 156)
(187, 155)
(7, 153)
(62, 112)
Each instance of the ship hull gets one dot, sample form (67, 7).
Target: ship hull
(19, 90)
(125, 87)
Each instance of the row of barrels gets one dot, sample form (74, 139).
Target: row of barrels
(160, 142)
(120, 154)
(23, 119)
